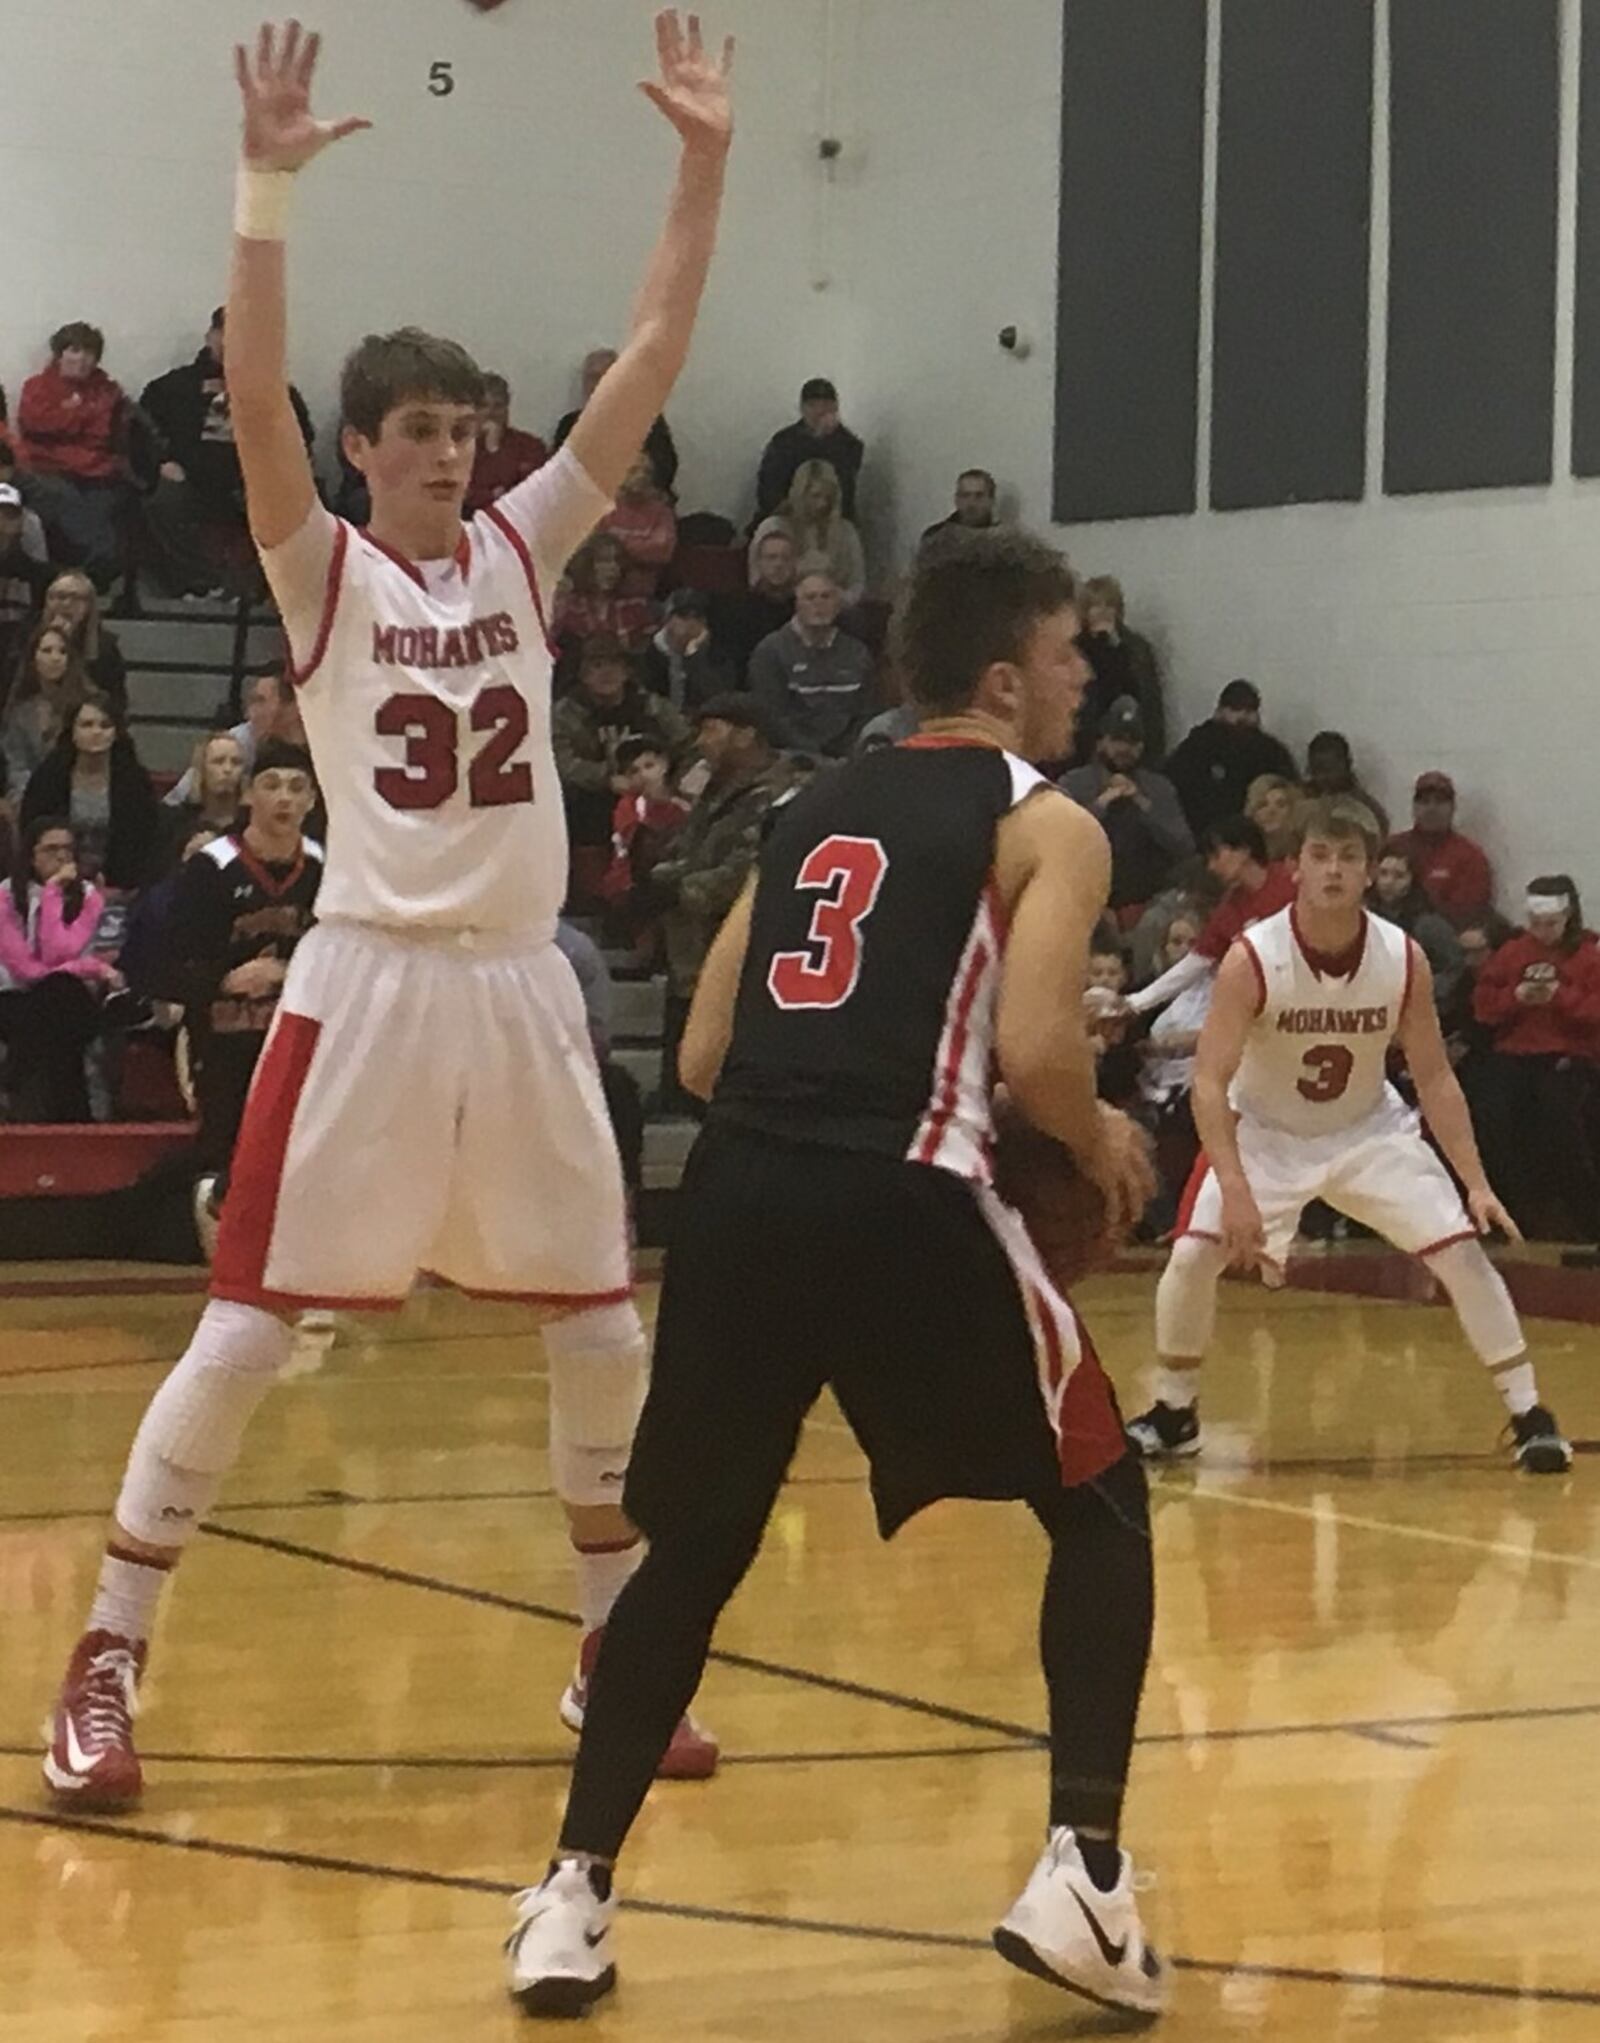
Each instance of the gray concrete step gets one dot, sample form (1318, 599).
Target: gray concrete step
(638, 1008)
(666, 1150)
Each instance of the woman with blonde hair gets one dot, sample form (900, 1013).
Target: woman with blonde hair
(813, 516)
(70, 602)
(216, 775)
(1273, 804)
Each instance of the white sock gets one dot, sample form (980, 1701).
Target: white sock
(126, 1595)
(603, 1573)
(1518, 1388)
(1177, 1387)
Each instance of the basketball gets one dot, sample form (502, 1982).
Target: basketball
(1063, 1208)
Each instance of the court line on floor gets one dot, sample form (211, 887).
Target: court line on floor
(1359, 1522)
(468, 1883)
(539, 1762)
(744, 1662)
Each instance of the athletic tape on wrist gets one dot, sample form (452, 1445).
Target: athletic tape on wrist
(261, 204)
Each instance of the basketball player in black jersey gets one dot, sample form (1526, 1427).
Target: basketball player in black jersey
(918, 919)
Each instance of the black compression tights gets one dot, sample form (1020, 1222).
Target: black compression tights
(1094, 1637)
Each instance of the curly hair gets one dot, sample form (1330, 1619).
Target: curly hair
(974, 600)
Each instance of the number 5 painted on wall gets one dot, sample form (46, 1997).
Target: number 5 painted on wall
(441, 79)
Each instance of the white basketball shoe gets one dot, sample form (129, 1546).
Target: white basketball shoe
(1063, 1929)
(560, 1950)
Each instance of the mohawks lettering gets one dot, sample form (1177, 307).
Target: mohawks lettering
(1334, 1021)
(425, 645)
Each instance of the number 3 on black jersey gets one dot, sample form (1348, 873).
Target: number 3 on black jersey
(848, 872)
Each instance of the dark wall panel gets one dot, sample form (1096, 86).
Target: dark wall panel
(1472, 244)
(1128, 343)
(1294, 229)
(1586, 365)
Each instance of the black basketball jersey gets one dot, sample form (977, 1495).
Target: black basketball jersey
(865, 1014)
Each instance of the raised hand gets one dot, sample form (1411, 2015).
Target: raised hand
(693, 88)
(280, 130)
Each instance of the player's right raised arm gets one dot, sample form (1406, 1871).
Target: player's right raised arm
(280, 138)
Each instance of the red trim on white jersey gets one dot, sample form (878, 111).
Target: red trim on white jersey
(392, 553)
(299, 676)
(963, 1063)
(250, 1211)
(498, 518)
(1435, 1248)
(580, 1300)
(1411, 973)
(1329, 964)
(1261, 977)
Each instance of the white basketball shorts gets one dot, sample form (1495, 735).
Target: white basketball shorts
(1380, 1173)
(424, 1103)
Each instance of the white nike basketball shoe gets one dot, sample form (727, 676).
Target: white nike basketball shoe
(1063, 1929)
(560, 1950)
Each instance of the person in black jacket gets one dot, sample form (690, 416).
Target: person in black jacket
(196, 515)
(1213, 768)
(659, 443)
(93, 776)
(817, 435)
(681, 664)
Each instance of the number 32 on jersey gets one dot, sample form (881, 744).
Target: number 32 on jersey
(431, 769)
(848, 874)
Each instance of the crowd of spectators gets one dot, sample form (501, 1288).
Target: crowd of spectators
(701, 673)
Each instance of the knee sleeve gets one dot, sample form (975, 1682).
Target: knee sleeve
(1482, 1302)
(597, 1385)
(191, 1433)
(1186, 1298)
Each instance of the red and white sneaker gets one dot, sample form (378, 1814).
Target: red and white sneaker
(91, 1763)
(693, 1753)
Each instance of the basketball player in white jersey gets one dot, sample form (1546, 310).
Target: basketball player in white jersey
(1293, 1103)
(428, 1098)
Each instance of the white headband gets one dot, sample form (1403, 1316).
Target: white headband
(1549, 904)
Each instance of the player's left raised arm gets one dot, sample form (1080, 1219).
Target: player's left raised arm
(692, 91)
(709, 1029)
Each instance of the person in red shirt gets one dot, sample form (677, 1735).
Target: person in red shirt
(1452, 871)
(1236, 854)
(70, 425)
(646, 527)
(1534, 1092)
(506, 455)
(595, 602)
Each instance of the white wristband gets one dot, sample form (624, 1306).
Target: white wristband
(261, 204)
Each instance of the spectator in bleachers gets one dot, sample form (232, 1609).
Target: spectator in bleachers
(814, 518)
(71, 431)
(23, 580)
(1533, 1094)
(47, 685)
(1480, 936)
(645, 825)
(713, 855)
(1213, 767)
(271, 710)
(681, 664)
(976, 508)
(889, 727)
(644, 524)
(216, 778)
(1455, 873)
(505, 454)
(1167, 1074)
(1398, 898)
(1138, 810)
(51, 983)
(593, 604)
(621, 1088)
(1273, 804)
(196, 516)
(740, 622)
(71, 603)
(95, 778)
(659, 444)
(1330, 770)
(1254, 887)
(34, 544)
(815, 682)
(1124, 661)
(607, 706)
(817, 435)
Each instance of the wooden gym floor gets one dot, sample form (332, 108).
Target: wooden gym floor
(1367, 1779)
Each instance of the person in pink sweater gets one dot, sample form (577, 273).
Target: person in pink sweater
(51, 985)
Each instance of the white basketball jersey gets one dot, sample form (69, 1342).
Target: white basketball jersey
(1316, 1060)
(427, 706)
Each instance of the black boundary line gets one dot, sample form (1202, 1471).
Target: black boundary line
(745, 1663)
(467, 1883)
(11, 1375)
(535, 1762)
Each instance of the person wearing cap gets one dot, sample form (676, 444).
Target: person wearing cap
(1213, 767)
(34, 543)
(817, 435)
(713, 855)
(1138, 809)
(815, 681)
(195, 517)
(681, 664)
(23, 582)
(1452, 871)
(588, 724)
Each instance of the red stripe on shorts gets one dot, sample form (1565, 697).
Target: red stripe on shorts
(250, 1211)
(1089, 1429)
(1191, 1195)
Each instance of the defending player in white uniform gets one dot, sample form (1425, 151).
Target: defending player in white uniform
(1293, 1103)
(427, 1099)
